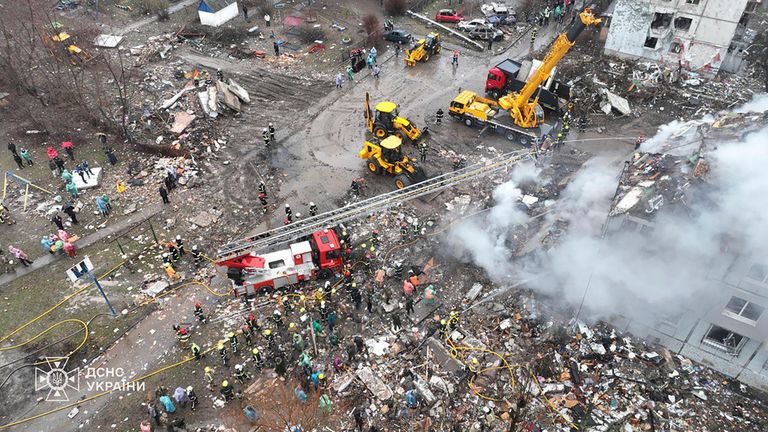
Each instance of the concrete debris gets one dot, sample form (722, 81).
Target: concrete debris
(181, 120)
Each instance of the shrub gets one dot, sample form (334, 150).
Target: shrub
(395, 7)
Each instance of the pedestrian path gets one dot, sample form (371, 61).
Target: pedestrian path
(88, 240)
(141, 23)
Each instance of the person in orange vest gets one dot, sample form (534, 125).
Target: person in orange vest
(413, 278)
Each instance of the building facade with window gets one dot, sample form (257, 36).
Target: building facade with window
(697, 35)
(728, 328)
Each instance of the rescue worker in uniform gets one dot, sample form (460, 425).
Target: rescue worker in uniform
(208, 372)
(288, 212)
(258, 361)
(240, 374)
(166, 258)
(270, 339)
(423, 150)
(223, 353)
(439, 116)
(183, 337)
(271, 132)
(265, 136)
(247, 334)
(196, 351)
(277, 318)
(233, 341)
(180, 245)
(263, 202)
(192, 397)
(312, 209)
(173, 251)
(197, 256)
(227, 391)
(199, 309)
(252, 323)
(533, 36)
(262, 188)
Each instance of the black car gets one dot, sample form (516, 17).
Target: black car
(397, 35)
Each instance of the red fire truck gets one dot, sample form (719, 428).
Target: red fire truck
(317, 255)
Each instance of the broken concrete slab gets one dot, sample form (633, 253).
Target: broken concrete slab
(181, 120)
(205, 219)
(154, 289)
(374, 384)
(226, 97)
(422, 388)
(107, 40)
(439, 355)
(239, 91)
(473, 292)
(421, 311)
(90, 181)
(618, 103)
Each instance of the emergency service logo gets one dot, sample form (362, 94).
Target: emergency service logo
(56, 379)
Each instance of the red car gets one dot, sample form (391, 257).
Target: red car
(448, 15)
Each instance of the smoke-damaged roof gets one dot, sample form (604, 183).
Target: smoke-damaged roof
(665, 175)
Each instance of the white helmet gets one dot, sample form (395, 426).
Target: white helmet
(194, 248)
(178, 237)
(298, 215)
(239, 367)
(311, 203)
(270, 123)
(165, 254)
(265, 129)
(189, 389)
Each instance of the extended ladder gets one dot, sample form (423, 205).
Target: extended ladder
(303, 227)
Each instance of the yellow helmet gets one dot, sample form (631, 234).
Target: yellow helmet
(268, 332)
(303, 310)
(255, 350)
(302, 297)
(225, 383)
(354, 284)
(230, 335)
(321, 376)
(333, 290)
(474, 361)
(373, 249)
(363, 245)
(220, 346)
(442, 321)
(207, 369)
(292, 325)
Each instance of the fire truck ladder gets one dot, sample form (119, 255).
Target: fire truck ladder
(304, 227)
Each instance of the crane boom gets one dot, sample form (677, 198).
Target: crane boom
(524, 112)
(304, 227)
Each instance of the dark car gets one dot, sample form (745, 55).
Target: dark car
(397, 35)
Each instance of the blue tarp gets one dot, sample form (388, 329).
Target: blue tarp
(203, 6)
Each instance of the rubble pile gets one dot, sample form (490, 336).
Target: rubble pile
(624, 87)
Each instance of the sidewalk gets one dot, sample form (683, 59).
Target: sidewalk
(115, 228)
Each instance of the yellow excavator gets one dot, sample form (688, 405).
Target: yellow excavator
(386, 157)
(387, 121)
(76, 54)
(525, 114)
(423, 49)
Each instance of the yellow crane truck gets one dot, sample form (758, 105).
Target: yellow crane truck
(525, 122)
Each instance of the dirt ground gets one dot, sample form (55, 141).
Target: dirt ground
(319, 131)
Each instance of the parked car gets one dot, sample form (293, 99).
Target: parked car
(448, 15)
(484, 33)
(398, 36)
(473, 24)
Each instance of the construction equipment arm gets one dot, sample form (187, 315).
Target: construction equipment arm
(560, 47)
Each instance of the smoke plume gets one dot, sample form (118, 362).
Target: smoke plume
(641, 275)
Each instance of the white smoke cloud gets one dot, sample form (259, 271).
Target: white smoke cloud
(639, 275)
(759, 104)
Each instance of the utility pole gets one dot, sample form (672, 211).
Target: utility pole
(85, 268)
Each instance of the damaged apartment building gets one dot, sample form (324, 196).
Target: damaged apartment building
(726, 325)
(702, 36)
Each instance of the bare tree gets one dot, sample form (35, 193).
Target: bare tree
(56, 67)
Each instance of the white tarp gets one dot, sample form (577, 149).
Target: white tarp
(218, 18)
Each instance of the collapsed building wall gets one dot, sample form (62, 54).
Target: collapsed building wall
(693, 34)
